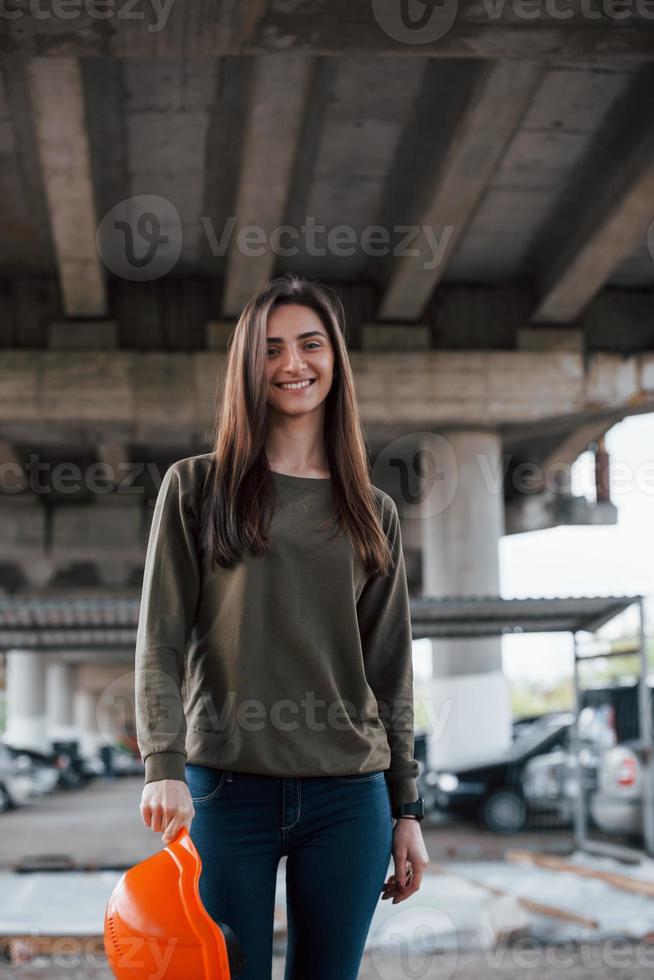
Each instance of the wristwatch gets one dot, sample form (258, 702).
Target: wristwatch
(415, 809)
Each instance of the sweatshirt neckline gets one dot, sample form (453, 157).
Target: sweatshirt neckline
(302, 482)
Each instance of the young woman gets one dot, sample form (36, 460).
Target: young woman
(274, 695)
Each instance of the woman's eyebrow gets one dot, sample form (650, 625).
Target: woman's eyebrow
(300, 336)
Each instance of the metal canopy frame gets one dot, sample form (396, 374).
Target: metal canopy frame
(475, 616)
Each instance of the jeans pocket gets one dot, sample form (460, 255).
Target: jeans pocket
(361, 777)
(204, 782)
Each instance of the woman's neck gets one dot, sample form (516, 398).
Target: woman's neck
(298, 450)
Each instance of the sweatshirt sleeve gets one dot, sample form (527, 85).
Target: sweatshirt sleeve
(169, 596)
(385, 627)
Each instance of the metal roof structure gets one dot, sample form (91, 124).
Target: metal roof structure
(470, 616)
(71, 621)
(88, 620)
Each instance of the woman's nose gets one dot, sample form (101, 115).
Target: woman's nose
(294, 362)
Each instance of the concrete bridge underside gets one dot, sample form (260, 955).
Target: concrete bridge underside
(479, 188)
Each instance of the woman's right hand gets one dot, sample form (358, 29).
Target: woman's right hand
(166, 807)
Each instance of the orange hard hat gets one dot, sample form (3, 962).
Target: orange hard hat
(155, 924)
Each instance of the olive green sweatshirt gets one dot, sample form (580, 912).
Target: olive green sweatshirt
(291, 663)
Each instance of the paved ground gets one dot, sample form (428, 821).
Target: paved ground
(101, 826)
(587, 963)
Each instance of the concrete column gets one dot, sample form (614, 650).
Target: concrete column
(25, 699)
(463, 519)
(86, 719)
(60, 684)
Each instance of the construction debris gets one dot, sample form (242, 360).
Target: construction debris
(628, 883)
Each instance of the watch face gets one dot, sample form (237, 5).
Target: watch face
(414, 809)
(418, 808)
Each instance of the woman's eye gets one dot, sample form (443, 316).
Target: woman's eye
(311, 343)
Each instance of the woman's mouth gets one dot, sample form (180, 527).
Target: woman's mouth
(295, 385)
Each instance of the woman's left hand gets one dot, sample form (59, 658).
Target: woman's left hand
(410, 858)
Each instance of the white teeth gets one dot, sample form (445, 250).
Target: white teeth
(298, 384)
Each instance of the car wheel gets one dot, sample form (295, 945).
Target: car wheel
(6, 801)
(503, 812)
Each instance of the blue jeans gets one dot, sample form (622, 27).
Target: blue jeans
(337, 835)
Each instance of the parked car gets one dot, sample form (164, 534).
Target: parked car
(519, 725)
(616, 707)
(125, 763)
(551, 780)
(74, 770)
(41, 768)
(16, 782)
(617, 805)
(493, 792)
(608, 719)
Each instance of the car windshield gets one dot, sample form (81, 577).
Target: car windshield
(536, 733)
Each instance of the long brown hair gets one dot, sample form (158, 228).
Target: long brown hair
(239, 493)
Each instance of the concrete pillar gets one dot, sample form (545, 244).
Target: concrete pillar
(86, 720)
(462, 520)
(60, 684)
(25, 700)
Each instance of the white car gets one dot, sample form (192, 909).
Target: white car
(17, 783)
(617, 805)
(40, 767)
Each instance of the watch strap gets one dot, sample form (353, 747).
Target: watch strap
(414, 809)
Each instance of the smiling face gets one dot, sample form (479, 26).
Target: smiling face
(300, 364)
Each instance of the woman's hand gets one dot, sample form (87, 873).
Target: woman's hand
(408, 848)
(166, 805)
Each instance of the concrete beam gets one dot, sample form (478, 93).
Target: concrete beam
(539, 511)
(544, 338)
(167, 399)
(613, 219)
(190, 29)
(59, 117)
(599, 248)
(395, 336)
(273, 127)
(112, 529)
(544, 459)
(494, 110)
(575, 443)
(22, 527)
(83, 335)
